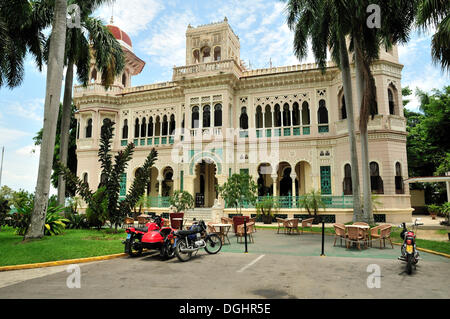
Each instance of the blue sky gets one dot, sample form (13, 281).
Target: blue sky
(157, 29)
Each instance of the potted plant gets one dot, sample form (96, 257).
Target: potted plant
(433, 210)
(312, 202)
(181, 201)
(266, 208)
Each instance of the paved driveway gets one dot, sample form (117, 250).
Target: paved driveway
(276, 272)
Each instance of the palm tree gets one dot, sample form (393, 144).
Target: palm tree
(397, 18)
(52, 97)
(321, 21)
(109, 59)
(21, 28)
(436, 13)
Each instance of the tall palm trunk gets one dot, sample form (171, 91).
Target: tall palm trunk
(65, 127)
(347, 85)
(362, 80)
(51, 107)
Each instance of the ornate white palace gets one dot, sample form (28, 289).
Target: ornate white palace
(284, 126)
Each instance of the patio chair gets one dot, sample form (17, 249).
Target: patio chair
(281, 225)
(253, 220)
(174, 222)
(238, 220)
(292, 225)
(128, 222)
(226, 220)
(339, 232)
(385, 234)
(307, 223)
(354, 236)
(142, 221)
(240, 232)
(212, 229)
(374, 233)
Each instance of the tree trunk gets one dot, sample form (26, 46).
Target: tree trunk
(65, 128)
(348, 91)
(51, 107)
(364, 136)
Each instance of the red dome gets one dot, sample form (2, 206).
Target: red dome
(119, 34)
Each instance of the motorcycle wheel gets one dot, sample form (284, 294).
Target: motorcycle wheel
(182, 256)
(213, 244)
(168, 251)
(132, 251)
(409, 261)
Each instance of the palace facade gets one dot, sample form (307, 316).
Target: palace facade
(284, 126)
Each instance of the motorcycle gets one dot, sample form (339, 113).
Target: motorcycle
(152, 236)
(410, 254)
(195, 238)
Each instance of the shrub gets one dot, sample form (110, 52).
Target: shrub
(97, 211)
(181, 201)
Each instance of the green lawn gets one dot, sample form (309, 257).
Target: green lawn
(72, 244)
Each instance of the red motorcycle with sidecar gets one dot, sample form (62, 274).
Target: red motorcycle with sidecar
(154, 236)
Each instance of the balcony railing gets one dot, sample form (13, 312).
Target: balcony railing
(96, 89)
(225, 66)
(295, 201)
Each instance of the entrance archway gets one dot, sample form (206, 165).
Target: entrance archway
(205, 183)
(303, 183)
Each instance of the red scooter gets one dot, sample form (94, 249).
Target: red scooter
(152, 236)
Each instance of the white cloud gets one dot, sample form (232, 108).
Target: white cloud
(30, 109)
(132, 16)
(9, 137)
(167, 42)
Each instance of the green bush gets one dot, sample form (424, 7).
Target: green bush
(97, 211)
(76, 221)
(181, 201)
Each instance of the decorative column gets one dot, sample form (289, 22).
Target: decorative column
(275, 184)
(293, 177)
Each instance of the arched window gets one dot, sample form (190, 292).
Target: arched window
(259, 117)
(305, 114)
(125, 129)
(348, 180)
(322, 113)
(144, 127)
(243, 120)
(206, 54)
(206, 116)
(286, 115)
(217, 54)
(158, 126)
(165, 126)
(268, 117)
(391, 102)
(295, 114)
(195, 117)
(172, 125)
(376, 183)
(150, 126)
(102, 128)
(93, 76)
(218, 115)
(277, 116)
(78, 130)
(399, 189)
(182, 125)
(85, 178)
(343, 108)
(196, 55)
(136, 128)
(124, 79)
(88, 131)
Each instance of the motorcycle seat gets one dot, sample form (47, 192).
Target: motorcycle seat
(142, 229)
(186, 232)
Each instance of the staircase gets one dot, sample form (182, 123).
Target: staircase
(198, 214)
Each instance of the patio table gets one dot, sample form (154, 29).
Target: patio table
(224, 229)
(364, 229)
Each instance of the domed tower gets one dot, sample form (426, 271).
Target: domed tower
(133, 64)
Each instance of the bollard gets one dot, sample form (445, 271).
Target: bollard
(323, 238)
(245, 233)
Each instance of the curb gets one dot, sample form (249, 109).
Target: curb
(61, 262)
